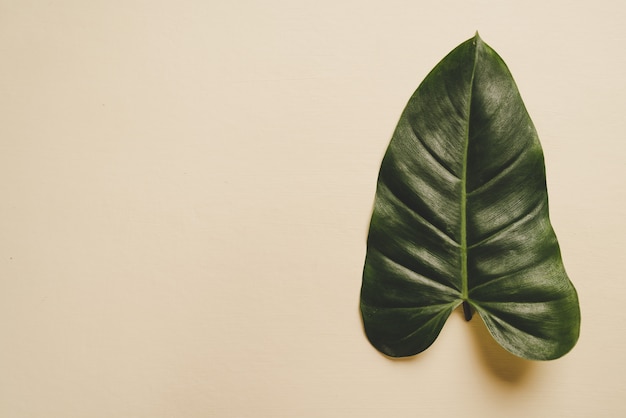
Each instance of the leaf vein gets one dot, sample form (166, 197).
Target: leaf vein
(431, 153)
(427, 323)
(427, 281)
(420, 218)
(516, 222)
(507, 168)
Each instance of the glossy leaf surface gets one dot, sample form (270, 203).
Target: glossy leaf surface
(461, 215)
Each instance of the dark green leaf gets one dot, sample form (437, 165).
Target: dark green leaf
(461, 215)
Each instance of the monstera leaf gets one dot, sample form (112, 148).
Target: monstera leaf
(461, 217)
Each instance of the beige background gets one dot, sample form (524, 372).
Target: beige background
(186, 188)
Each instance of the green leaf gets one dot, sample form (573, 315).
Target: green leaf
(461, 216)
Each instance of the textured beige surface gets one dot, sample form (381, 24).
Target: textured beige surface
(186, 187)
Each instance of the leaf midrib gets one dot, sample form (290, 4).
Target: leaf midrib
(464, 281)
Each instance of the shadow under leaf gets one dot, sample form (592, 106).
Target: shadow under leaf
(501, 364)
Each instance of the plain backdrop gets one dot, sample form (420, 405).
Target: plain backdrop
(186, 188)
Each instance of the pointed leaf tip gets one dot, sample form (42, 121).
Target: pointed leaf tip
(477, 38)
